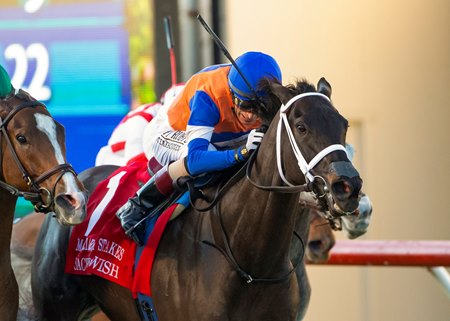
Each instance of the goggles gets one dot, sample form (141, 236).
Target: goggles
(246, 105)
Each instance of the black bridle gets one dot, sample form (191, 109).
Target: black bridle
(41, 198)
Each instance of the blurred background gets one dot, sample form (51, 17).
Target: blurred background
(91, 61)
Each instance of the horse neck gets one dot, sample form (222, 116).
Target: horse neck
(260, 223)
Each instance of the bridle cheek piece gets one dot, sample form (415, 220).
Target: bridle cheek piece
(46, 200)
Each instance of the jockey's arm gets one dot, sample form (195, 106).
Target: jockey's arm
(200, 158)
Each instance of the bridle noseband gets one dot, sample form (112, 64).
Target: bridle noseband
(36, 191)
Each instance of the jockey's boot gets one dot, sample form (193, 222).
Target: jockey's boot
(159, 187)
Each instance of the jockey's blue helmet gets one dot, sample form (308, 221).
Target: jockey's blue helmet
(254, 66)
(5, 83)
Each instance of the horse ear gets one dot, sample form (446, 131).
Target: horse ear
(283, 93)
(324, 87)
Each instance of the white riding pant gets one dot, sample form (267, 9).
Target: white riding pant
(164, 143)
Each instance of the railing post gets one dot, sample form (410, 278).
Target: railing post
(443, 277)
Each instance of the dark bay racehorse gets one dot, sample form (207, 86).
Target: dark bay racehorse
(33, 165)
(243, 270)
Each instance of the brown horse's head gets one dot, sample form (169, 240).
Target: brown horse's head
(33, 159)
(321, 239)
(316, 132)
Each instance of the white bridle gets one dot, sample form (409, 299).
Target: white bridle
(304, 166)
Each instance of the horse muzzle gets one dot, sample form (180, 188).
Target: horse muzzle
(70, 208)
(345, 186)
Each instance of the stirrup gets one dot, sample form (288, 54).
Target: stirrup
(138, 231)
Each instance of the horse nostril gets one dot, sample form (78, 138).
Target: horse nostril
(67, 200)
(342, 189)
(315, 246)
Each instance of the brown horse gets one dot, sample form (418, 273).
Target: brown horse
(232, 262)
(33, 165)
(321, 239)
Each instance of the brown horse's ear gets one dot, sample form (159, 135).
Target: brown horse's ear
(324, 87)
(283, 93)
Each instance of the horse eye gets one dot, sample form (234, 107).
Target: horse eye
(301, 128)
(21, 139)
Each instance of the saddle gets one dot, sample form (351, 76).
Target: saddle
(210, 187)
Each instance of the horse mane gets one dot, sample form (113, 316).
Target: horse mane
(302, 86)
(272, 102)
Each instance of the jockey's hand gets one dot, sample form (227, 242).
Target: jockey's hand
(254, 139)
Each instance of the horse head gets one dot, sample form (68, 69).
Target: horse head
(33, 159)
(316, 132)
(321, 239)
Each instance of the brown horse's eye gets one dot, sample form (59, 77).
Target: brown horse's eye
(21, 139)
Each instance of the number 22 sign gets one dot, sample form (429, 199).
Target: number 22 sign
(22, 57)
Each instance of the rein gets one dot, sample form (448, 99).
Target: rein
(36, 191)
(228, 254)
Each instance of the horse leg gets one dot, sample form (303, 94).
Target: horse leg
(114, 300)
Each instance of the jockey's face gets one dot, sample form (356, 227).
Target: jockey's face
(245, 111)
(247, 118)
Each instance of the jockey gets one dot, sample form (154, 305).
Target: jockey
(125, 143)
(210, 126)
